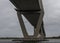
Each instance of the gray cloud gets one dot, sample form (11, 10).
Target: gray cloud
(52, 17)
(9, 25)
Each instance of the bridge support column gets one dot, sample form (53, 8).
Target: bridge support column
(39, 27)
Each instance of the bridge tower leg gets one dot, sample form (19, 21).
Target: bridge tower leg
(39, 32)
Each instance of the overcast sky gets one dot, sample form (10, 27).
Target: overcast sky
(9, 25)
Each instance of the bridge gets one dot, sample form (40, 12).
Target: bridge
(33, 11)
